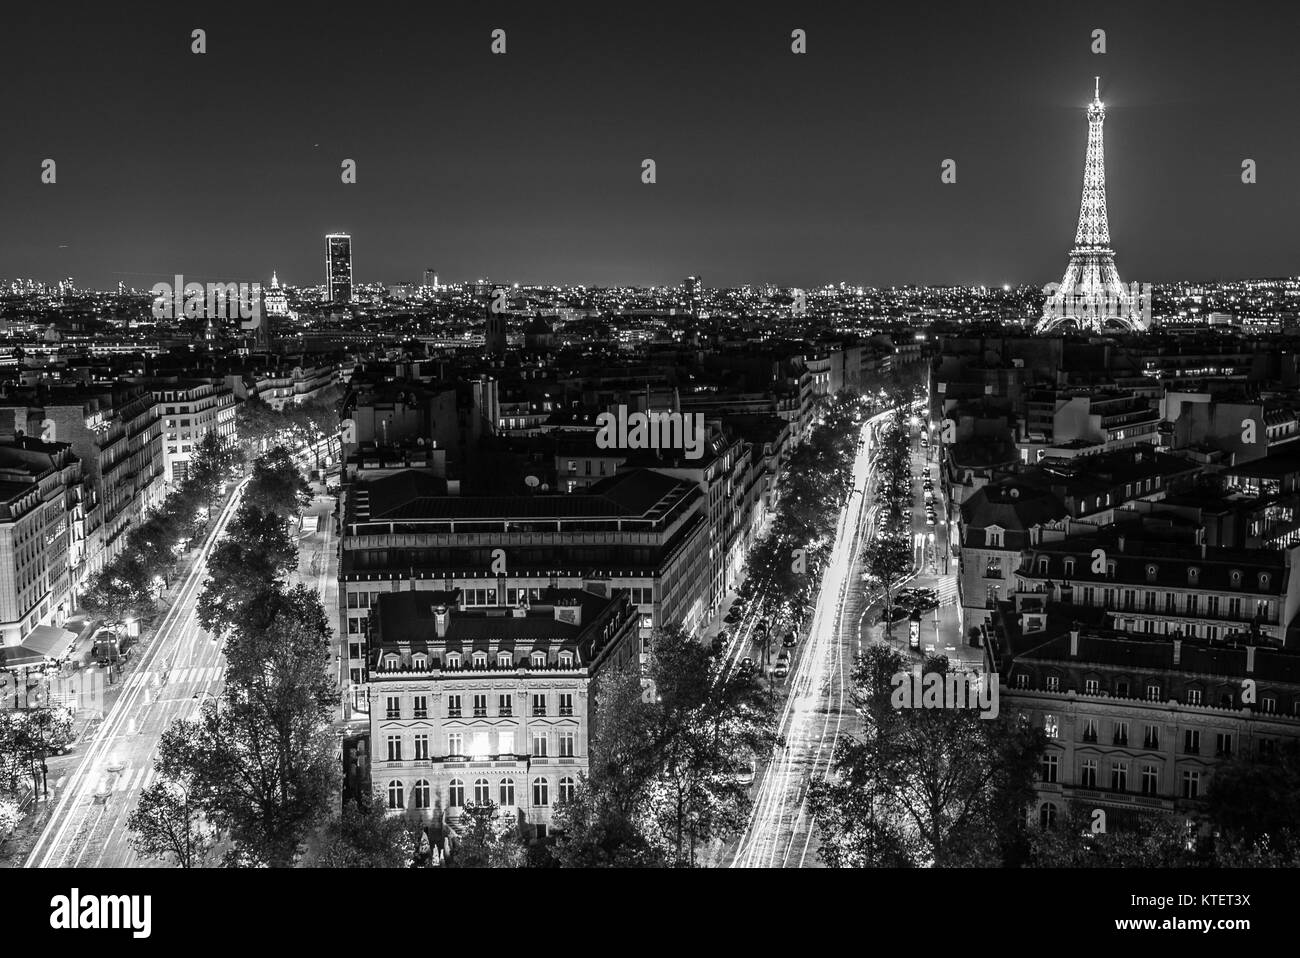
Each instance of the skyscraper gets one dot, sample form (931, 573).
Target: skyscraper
(1091, 296)
(338, 267)
(494, 324)
(431, 278)
(692, 287)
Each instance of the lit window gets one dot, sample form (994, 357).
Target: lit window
(567, 739)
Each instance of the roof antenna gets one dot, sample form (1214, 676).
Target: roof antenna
(1096, 93)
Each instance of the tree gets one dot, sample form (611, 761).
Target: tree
(213, 462)
(10, 816)
(486, 840)
(256, 423)
(277, 484)
(365, 837)
(119, 591)
(662, 769)
(924, 787)
(247, 565)
(888, 561)
(168, 822)
(1254, 802)
(262, 759)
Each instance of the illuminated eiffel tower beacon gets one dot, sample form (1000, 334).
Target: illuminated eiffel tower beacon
(1091, 296)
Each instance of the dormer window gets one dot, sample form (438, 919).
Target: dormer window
(1263, 581)
(505, 660)
(391, 662)
(1042, 565)
(1151, 573)
(1069, 566)
(538, 660)
(566, 660)
(1110, 569)
(420, 661)
(1235, 578)
(453, 660)
(480, 660)
(1193, 575)
(993, 537)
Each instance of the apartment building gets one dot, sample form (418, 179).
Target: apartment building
(190, 409)
(42, 544)
(470, 705)
(640, 532)
(1136, 723)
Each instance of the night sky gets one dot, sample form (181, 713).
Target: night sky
(772, 167)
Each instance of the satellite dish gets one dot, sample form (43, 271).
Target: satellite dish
(532, 482)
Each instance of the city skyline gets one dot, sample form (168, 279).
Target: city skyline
(797, 172)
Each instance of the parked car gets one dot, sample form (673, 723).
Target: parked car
(790, 640)
(732, 617)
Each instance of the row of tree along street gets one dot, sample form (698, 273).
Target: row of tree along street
(888, 556)
(261, 426)
(248, 780)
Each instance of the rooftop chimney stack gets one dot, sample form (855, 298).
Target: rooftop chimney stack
(1074, 643)
(440, 618)
(1178, 651)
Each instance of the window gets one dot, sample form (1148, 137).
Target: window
(567, 789)
(1193, 696)
(1151, 573)
(1047, 816)
(1049, 725)
(453, 660)
(1121, 733)
(1088, 773)
(1192, 742)
(1223, 744)
(1150, 780)
(566, 660)
(480, 705)
(1193, 575)
(1151, 737)
(455, 743)
(482, 791)
(453, 706)
(566, 703)
(1191, 784)
(505, 741)
(394, 707)
(1053, 683)
(421, 703)
(541, 792)
(420, 794)
(456, 794)
(480, 660)
(505, 705)
(507, 792)
(505, 660)
(1022, 680)
(539, 744)
(396, 797)
(1042, 565)
(422, 747)
(1153, 692)
(567, 739)
(1268, 705)
(539, 703)
(394, 748)
(538, 660)
(993, 538)
(1119, 776)
(1090, 730)
(1048, 768)
(1236, 578)
(1263, 581)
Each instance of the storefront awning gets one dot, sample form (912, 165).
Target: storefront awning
(49, 641)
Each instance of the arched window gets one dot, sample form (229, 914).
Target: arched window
(1193, 575)
(1047, 816)
(507, 792)
(420, 794)
(541, 792)
(1152, 571)
(1236, 578)
(396, 797)
(567, 789)
(482, 792)
(1263, 581)
(456, 794)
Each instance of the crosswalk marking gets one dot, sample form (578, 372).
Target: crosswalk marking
(178, 676)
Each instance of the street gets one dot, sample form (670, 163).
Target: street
(180, 668)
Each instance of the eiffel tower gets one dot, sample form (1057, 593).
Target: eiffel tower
(1091, 297)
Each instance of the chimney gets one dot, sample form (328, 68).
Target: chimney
(440, 618)
(1250, 660)
(1074, 643)
(1178, 651)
